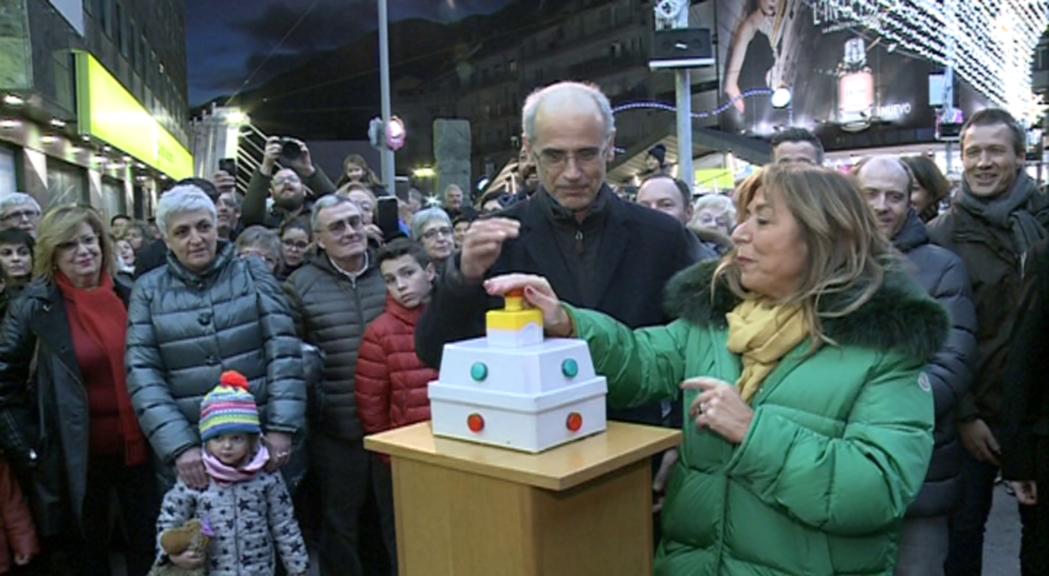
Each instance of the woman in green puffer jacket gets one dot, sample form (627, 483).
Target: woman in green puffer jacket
(809, 430)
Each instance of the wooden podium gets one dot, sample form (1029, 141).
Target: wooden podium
(465, 509)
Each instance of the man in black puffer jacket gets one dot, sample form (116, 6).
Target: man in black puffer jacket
(334, 296)
(887, 183)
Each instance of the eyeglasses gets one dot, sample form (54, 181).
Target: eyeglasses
(87, 241)
(20, 214)
(300, 245)
(339, 227)
(433, 233)
(554, 159)
(282, 180)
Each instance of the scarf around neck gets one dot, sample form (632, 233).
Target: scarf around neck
(1007, 211)
(762, 333)
(102, 315)
(231, 475)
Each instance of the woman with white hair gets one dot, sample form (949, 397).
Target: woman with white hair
(714, 220)
(433, 229)
(21, 211)
(207, 311)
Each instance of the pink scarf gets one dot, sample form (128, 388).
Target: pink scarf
(230, 475)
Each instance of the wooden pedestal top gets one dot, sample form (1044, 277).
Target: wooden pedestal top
(556, 469)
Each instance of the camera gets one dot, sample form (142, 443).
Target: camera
(290, 149)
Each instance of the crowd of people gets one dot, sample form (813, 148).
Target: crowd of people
(854, 358)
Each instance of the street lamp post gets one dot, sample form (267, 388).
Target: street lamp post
(384, 82)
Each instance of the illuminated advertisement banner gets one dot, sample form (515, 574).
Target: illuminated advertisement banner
(842, 74)
(107, 111)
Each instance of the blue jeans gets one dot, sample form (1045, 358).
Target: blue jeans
(965, 553)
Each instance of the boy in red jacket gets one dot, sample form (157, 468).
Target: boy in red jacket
(391, 380)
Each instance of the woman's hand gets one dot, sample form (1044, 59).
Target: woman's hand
(190, 465)
(279, 446)
(539, 294)
(188, 560)
(374, 233)
(720, 408)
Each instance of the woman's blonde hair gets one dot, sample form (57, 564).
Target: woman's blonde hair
(847, 256)
(59, 225)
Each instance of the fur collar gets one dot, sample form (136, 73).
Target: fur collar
(899, 317)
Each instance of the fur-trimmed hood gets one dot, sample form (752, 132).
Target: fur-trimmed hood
(899, 317)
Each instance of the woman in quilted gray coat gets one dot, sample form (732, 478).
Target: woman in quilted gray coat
(245, 511)
(205, 312)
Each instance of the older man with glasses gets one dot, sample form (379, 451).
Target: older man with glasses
(19, 211)
(334, 296)
(597, 251)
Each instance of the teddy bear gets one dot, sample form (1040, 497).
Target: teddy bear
(193, 534)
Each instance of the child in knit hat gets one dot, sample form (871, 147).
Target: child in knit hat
(247, 510)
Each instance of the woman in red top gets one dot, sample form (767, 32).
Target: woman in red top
(86, 444)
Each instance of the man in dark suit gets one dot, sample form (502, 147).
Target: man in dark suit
(596, 250)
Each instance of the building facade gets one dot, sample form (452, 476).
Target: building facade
(94, 101)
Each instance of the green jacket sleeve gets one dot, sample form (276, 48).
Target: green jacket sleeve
(859, 483)
(642, 365)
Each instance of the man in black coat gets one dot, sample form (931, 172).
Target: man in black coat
(596, 250)
(887, 182)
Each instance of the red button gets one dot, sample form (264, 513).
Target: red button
(574, 422)
(475, 423)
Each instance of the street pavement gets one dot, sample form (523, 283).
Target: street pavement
(1001, 551)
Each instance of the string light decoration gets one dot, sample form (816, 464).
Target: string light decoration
(649, 105)
(989, 43)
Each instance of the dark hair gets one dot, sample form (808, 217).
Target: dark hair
(298, 223)
(927, 175)
(682, 187)
(467, 217)
(796, 134)
(17, 237)
(114, 219)
(992, 116)
(206, 186)
(659, 152)
(401, 247)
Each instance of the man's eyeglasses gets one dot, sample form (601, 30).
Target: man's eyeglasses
(339, 227)
(433, 233)
(554, 159)
(19, 215)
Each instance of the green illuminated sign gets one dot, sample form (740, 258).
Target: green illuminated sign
(107, 111)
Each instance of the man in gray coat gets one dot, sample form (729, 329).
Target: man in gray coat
(887, 182)
(334, 296)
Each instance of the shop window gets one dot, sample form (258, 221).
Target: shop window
(66, 183)
(8, 176)
(113, 199)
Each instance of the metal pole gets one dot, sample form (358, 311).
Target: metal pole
(684, 128)
(384, 82)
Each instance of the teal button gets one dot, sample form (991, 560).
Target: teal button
(570, 368)
(479, 371)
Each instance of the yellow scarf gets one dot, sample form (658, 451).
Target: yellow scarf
(762, 333)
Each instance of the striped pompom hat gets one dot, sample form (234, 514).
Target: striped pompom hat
(229, 408)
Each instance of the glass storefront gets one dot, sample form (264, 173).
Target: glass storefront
(8, 180)
(66, 183)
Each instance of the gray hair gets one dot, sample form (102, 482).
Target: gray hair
(536, 98)
(718, 202)
(328, 201)
(262, 238)
(424, 217)
(18, 199)
(181, 199)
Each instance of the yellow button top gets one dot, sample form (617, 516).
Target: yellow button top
(514, 316)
